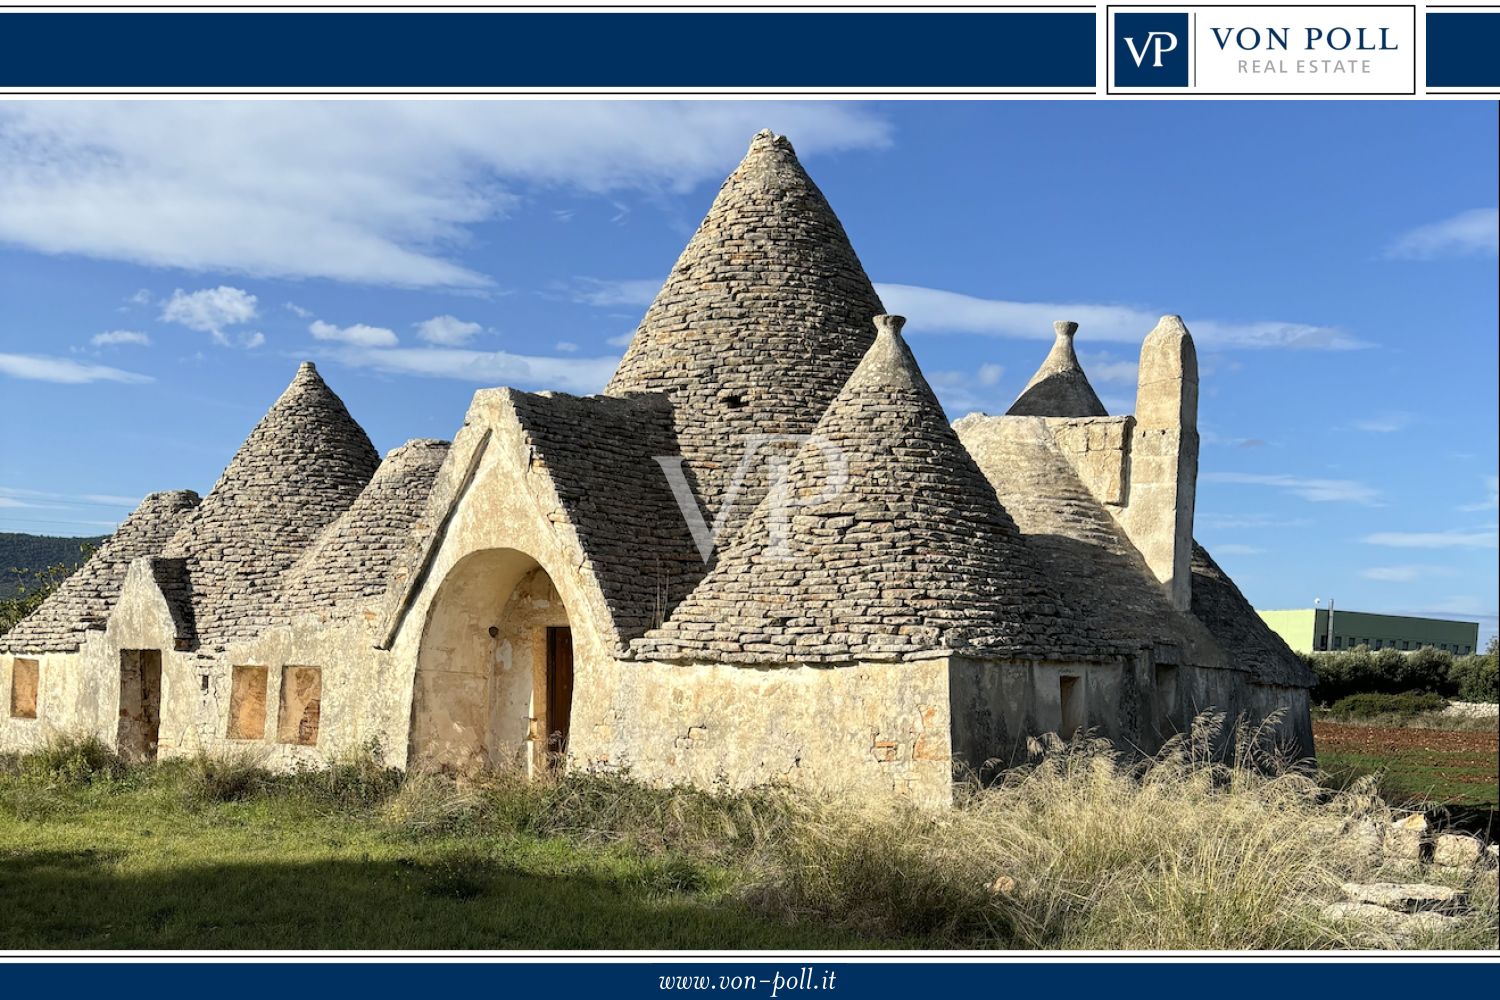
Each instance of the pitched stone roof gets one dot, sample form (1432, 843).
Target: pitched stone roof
(351, 561)
(600, 453)
(300, 468)
(761, 322)
(898, 548)
(1077, 543)
(1059, 388)
(1244, 636)
(84, 601)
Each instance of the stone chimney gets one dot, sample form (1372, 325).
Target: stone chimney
(1158, 516)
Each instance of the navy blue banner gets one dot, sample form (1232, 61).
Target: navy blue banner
(552, 50)
(788, 979)
(1463, 49)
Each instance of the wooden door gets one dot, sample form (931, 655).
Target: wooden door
(559, 690)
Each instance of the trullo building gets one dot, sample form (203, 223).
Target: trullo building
(886, 597)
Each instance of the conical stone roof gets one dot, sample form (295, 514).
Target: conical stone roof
(84, 600)
(895, 547)
(352, 560)
(1059, 388)
(300, 468)
(761, 322)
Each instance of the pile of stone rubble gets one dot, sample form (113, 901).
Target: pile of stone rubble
(1408, 912)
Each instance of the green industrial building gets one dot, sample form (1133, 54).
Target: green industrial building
(1309, 630)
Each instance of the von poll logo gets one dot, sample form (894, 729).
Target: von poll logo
(1151, 50)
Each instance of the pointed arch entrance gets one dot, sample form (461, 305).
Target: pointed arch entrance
(494, 676)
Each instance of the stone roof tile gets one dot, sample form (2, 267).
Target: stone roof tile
(351, 562)
(300, 468)
(759, 325)
(896, 548)
(1245, 637)
(1059, 388)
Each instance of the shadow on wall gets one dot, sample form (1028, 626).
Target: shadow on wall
(80, 899)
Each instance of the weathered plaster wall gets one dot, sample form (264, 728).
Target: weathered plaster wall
(863, 729)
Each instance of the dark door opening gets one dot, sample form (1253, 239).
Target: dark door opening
(559, 691)
(140, 703)
(1070, 699)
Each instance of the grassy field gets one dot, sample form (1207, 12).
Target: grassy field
(1082, 850)
(1415, 764)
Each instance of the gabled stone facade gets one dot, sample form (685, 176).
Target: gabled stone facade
(762, 555)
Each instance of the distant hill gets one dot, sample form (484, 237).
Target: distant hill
(22, 555)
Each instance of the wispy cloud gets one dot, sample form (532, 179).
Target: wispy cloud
(210, 310)
(638, 292)
(1452, 539)
(1475, 233)
(1404, 574)
(1492, 501)
(1208, 519)
(120, 338)
(968, 390)
(359, 334)
(1237, 549)
(1387, 423)
(449, 331)
(15, 496)
(66, 371)
(1308, 488)
(934, 310)
(576, 375)
(1105, 368)
(375, 192)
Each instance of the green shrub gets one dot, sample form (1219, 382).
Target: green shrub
(225, 776)
(75, 761)
(1369, 705)
(1476, 678)
(1384, 671)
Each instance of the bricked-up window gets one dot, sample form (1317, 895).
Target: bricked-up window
(301, 704)
(23, 684)
(247, 704)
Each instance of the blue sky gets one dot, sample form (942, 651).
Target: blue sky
(164, 265)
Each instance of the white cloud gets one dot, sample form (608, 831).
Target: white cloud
(448, 331)
(639, 292)
(8, 495)
(1451, 539)
(1475, 233)
(297, 310)
(936, 311)
(1385, 424)
(621, 340)
(576, 375)
(376, 192)
(120, 338)
(1103, 367)
(142, 297)
(1313, 489)
(1404, 574)
(42, 368)
(1237, 549)
(210, 310)
(1491, 502)
(360, 335)
(990, 374)
(567, 347)
(250, 341)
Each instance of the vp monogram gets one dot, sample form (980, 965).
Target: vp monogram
(1157, 44)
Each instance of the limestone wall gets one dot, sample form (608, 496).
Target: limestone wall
(861, 729)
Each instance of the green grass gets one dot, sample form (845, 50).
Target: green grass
(1408, 776)
(129, 865)
(1082, 849)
